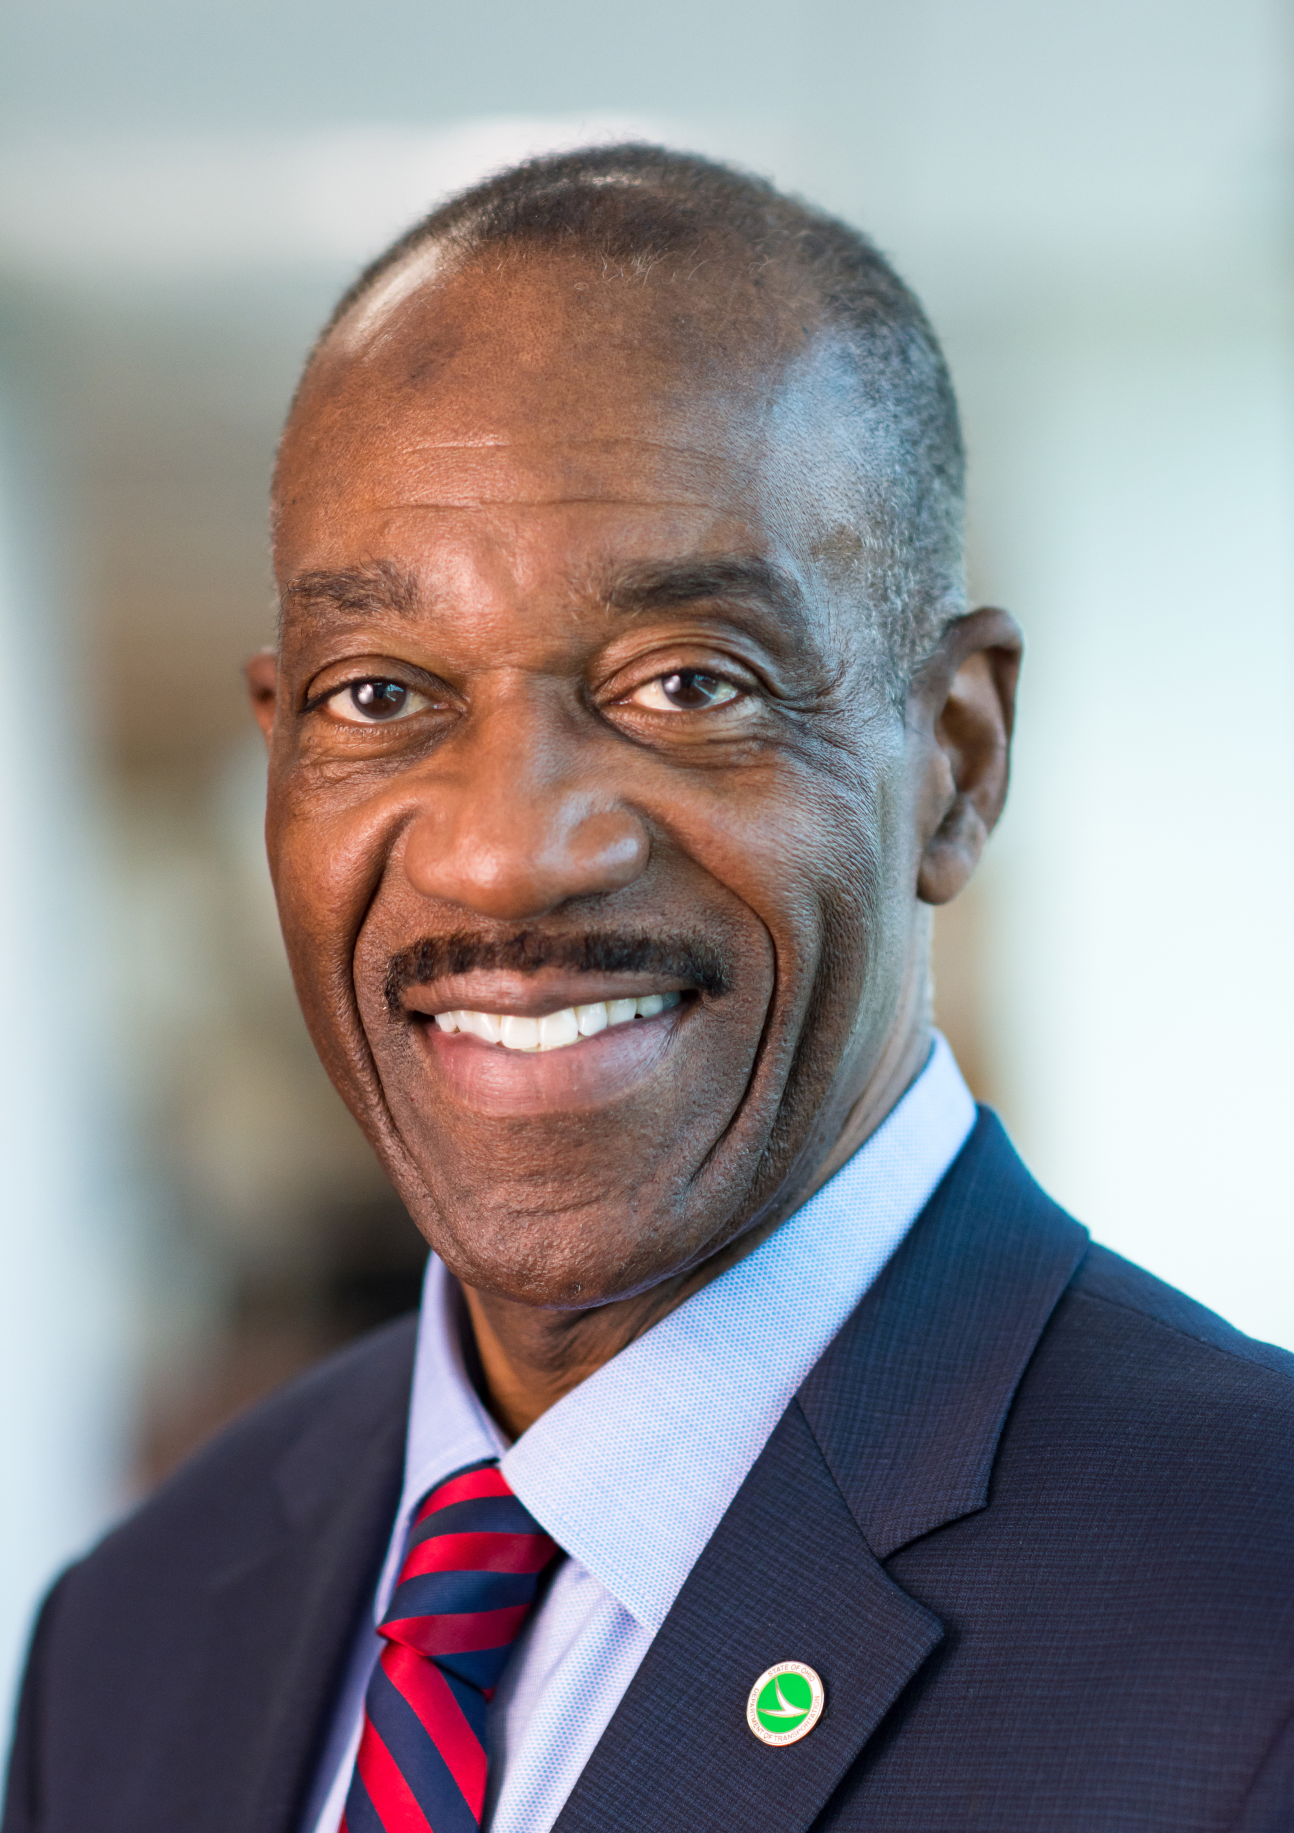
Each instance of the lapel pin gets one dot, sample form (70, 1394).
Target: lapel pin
(785, 1703)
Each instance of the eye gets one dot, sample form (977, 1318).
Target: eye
(375, 702)
(688, 690)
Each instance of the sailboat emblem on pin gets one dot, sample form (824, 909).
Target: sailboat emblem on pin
(785, 1703)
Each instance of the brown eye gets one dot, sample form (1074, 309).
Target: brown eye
(379, 699)
(687, 690)
(374, 702)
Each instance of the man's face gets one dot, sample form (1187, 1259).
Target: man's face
(575, 710)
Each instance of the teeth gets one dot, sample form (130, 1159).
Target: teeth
(519, 1033)
(559, 1028)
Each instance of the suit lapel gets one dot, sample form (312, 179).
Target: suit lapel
(785, 1577)
(327, 1572)
(909, 1401)
(892, 1435)
(282, 1614)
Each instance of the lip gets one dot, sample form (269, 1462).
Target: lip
(589, 1074)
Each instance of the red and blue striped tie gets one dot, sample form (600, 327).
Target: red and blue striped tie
(468, 1581)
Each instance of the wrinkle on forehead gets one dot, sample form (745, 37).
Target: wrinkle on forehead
(509, 443)
(379, 475)
(532, 472)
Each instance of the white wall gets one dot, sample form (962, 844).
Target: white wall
(64, 1245)
(1143, 963)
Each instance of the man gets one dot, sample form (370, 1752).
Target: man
(769, 1451)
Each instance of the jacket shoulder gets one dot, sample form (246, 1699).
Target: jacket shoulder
(1126, 1360)
(1150, 1307)
(219, 1614)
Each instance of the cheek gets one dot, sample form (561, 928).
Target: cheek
(823, 859)
(327, 854)
(801, 851)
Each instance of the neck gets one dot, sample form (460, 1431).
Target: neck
(530, 1357)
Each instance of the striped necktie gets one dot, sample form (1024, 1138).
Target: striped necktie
(469, 1578)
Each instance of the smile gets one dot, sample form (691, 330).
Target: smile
(555, 1030)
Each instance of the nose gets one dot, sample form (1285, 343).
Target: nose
(514, 829)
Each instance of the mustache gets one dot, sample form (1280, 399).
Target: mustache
(691, 959)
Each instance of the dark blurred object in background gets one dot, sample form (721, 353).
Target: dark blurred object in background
(367, 1269)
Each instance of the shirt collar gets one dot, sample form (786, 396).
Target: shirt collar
(632, 1470)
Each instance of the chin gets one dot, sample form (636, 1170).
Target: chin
(548, 1251)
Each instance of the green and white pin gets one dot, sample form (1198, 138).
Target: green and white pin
(785, 1703)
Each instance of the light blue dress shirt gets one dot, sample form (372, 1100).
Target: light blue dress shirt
(632, 1470)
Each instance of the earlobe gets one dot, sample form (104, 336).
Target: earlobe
(966, 707)
(261, 674)
(952, 853)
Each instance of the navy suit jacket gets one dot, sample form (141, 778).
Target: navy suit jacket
(1031, 1518)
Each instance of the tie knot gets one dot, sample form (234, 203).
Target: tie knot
(471, 1569)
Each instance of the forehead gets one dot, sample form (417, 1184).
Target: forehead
(556, 402)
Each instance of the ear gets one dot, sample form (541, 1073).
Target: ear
(261, 675)
(961, 709)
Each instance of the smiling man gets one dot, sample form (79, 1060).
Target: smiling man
(769, 1450)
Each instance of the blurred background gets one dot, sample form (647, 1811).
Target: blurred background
(1094, 202)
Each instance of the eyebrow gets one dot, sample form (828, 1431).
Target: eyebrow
(636, 588)
(661, 584)
(357, 591)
